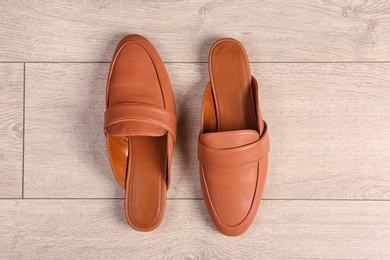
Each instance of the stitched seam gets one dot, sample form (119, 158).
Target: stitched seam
(114, 62)
(215, 212)
(166, 126)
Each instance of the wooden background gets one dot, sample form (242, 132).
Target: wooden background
(323, 68)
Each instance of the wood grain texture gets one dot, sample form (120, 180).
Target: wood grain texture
(11, 130)
(81, 229)
(65, 153)
(327, 194)
(182, 31)
(329, 130)
(65, 145)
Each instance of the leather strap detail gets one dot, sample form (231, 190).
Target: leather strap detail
(234, 157)
(130, 112)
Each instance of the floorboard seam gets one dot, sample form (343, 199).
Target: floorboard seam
(24, 125)
(185, 199)
(202, 62)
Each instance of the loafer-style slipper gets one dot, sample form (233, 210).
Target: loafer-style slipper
(140, 128)
(233, 142)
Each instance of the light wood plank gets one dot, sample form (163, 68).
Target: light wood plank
(11, 130)
(183, 31)
(64, 229)
(65, 154)
(329, 130)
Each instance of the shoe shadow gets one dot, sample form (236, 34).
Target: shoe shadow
(189, 114)
(92, 119)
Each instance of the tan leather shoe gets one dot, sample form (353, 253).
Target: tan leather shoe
(233, 142)
(140, 128)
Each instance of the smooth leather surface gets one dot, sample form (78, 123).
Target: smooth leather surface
(233, 142)
(140, 127)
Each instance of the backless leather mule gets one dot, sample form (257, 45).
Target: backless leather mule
(140, 129)
(233, 142)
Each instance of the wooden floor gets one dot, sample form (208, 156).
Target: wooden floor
(324, 73)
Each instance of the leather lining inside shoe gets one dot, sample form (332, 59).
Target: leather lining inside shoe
(209, 117)
(146, 180)
(232, 87)
(118, 151)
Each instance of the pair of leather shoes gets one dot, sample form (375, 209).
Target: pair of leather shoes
(140, 127)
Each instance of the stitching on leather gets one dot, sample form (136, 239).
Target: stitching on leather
(209, 198)
(144, 120)
(150, 56)
(171, 130)
(226, 151)
(238, 132)
(215, 212)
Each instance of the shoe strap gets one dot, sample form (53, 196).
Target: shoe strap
(233, 157)
(120, 120)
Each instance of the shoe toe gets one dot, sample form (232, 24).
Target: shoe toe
(230, 193)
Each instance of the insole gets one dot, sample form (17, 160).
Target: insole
(146, 180)
(232, 87)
